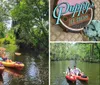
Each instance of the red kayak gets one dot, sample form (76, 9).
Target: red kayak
(75, 77)
(71, 78)
(1, 68)
(82, 78)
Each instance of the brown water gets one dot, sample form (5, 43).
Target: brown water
(92, 70)
(35, 71)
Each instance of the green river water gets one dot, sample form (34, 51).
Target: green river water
(35, 71)
(57, 75)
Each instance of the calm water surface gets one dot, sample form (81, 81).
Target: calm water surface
(92, 70)
(35, 71)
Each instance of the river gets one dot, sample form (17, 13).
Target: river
(35, 71)
(58, 68)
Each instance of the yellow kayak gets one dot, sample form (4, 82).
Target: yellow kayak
(16, 65)
(18, 54)
(8, 64)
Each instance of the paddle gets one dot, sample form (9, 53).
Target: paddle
(18, 54)
(64, 72)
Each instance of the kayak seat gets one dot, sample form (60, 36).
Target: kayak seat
(84, 76)
(79, 74)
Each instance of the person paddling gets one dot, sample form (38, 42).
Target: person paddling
(76, 71)
(4, 57)
(69, 71)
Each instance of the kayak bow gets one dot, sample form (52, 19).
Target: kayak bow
(71, 78)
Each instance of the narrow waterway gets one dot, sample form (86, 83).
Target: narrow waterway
(35, 71)
(58, 69)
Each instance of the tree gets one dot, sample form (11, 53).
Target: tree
(30, 22)
(78, 51)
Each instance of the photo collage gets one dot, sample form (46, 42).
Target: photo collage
(49, 42)
(74, 42)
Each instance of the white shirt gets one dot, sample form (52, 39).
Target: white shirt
(76, 71)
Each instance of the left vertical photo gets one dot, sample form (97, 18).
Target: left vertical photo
(24, 42)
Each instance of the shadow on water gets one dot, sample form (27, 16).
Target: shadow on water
(35, 71)
(63, 81)
(1, 80)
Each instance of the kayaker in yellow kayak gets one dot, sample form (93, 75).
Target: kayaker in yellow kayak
(4, 57)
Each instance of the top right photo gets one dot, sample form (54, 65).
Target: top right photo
(75, 20)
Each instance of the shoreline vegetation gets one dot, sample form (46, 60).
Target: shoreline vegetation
(89, 61)
(86, 52)
(24, 24)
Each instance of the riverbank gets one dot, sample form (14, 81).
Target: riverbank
(82, 60)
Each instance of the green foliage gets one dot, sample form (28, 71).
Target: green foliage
(10, 39)
(6, 37)
(82, 51)
(11, 48)
(3, 14)
(1, 40)
(30, 22)
(2, 30)
(58, 51)
(93, 30)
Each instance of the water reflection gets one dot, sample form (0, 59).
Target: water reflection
(58, 69)
(35, 71)
(63, 81)
(13, 72)
(1, 79)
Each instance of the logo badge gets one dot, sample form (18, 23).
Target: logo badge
(73, 14)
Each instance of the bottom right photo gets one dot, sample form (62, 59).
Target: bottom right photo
(74, 63)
